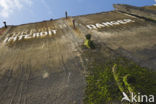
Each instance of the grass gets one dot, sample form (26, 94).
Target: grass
(108, 77)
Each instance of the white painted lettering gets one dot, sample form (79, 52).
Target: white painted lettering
(54, 31)
(5, 40)
(91, 26)
(121, 22)
(15, 38)
(20, 37)
(27, 37)
(107, 24)
(43, 34)
(99, 25)
(36, 35)
(114, 23)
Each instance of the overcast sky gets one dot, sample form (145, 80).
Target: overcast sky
(16, 12)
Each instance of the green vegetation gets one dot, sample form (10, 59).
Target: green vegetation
(88, 42)
(135, 78)
(127, 83)
(109, 77)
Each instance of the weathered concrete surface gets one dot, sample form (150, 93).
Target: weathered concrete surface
(135, 40)
(150, 7)
(42, 71)
(2, 30)
(50, 70)
(142, 12)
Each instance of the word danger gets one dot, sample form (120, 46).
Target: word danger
(107, 24)
(29, 36)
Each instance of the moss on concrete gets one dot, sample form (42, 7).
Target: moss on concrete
(105, 85)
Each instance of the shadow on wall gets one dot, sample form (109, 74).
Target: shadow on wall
(145, 57)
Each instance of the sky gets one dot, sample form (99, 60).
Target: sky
(16, 12)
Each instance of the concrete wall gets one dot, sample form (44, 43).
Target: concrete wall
(142, 12)
(135, 40)
(41, 70)
(42, 67)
